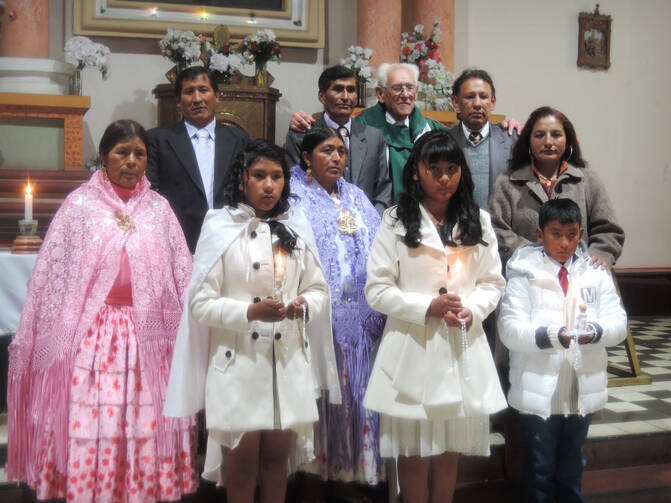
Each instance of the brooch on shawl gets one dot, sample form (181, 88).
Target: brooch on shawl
(125, 222)
(346, 221)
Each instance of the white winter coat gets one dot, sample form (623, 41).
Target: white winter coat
(220, 363)
(420, 371)
(534, 309)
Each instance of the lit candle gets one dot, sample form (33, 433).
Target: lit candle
(278, 274)
(464, 332)
(457, 269)
(28, 209)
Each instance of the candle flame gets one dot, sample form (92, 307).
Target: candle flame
(279, 263)
(204, 15)
(457, 268)
(29, 189)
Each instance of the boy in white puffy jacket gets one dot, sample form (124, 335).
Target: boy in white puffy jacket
(557, 316)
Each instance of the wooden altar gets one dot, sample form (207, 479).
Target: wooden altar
(241, 104)
(69, 109)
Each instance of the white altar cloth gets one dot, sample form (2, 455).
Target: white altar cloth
(15, 271)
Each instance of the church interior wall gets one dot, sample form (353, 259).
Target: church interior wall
(529, 47)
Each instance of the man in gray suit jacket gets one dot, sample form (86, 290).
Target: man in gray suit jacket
(366, 162)
(487, 147)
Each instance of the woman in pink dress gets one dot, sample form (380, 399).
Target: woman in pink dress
(89, 363)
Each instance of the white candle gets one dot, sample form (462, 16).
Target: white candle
(457, 270)
(278, 274)
(28, 208)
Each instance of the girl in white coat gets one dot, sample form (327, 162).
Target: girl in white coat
(433, 269)
(256, 282)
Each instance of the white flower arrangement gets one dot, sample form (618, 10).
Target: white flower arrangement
(357, 60)
(435, 82)
(182, 46)
(88, 53)
(266, 35)
(226, 65)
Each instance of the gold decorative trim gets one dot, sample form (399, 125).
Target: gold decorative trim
(301, 26)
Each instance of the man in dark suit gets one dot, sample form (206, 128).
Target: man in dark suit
(187, 160)
(487, 147)
(366, 161)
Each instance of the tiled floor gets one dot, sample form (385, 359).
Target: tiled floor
(636, 409)
(642, 408)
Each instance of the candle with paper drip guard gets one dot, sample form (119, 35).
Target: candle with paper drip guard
(581, 319)
(464, 333)
(580, 327)
(279, 278)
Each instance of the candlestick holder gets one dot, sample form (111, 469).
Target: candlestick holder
(27, 241)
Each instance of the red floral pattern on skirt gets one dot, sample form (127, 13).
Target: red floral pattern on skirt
(112, 449)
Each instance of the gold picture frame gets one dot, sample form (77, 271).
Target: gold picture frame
(299, 23)
(594, 40)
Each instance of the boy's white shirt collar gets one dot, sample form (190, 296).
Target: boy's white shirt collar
(558, 265)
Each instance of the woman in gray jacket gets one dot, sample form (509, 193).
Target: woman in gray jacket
(547, 164)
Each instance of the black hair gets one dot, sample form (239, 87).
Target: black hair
(119, 131)
(472, 73)
(334, 73)
(522, 152)
(234, 179)
(189, 74)
(315, 137)
(564, 211)
(462, 210)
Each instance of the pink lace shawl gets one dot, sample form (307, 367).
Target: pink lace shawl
(75, 269)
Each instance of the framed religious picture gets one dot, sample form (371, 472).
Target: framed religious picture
(296, 23)
(594, 40)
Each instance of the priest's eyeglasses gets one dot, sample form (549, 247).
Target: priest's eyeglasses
(397, 90)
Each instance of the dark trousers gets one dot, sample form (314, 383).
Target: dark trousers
(553, 460)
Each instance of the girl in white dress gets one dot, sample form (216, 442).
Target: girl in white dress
(257, 281)
(433, 269)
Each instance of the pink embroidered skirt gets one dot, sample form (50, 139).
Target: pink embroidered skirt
(112, 454)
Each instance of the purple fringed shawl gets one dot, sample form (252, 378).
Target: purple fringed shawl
(356, 327)
(75, 269)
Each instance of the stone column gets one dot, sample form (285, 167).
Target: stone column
(379, 27)
(424, 12)
(26, 35)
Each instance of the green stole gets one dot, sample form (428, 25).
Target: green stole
(399, 139)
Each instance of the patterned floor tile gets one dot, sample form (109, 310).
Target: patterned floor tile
(640, 408)
(623, 407)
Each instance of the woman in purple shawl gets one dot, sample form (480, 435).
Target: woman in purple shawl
(344, 223)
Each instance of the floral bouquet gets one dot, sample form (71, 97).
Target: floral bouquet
(260, 47)
(88, 53)
(357, 60)
(182, 47)
(225, 64)
(435, 82)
